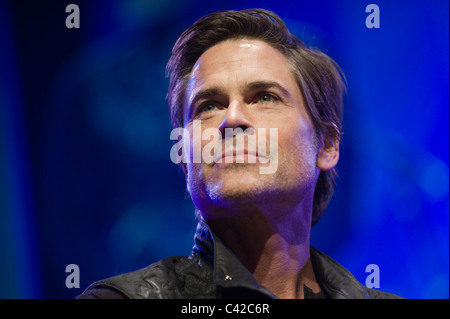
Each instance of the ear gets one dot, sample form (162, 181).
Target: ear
(328, 155)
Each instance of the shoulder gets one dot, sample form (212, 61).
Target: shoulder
(163, 279)
(339, 283)
(145, 283)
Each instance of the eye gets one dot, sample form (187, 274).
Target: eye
(267, 97)
(207, 107)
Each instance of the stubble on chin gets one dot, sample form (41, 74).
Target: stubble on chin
(238, 184)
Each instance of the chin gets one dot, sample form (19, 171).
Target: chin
(232, 184)
(235, 189)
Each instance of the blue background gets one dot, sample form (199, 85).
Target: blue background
(85, 173)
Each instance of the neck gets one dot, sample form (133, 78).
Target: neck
(273, 247)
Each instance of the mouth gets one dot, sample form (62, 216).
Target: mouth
(237, 156)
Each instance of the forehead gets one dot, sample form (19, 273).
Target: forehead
(231, 53)
(241, 56)
(232, 63)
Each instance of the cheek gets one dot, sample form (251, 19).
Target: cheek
(201, 135)
(297, 142)
(194, 180)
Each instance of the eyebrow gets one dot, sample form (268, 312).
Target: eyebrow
(207, 94)
(264, 85)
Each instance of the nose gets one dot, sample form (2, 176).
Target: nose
(236, 116)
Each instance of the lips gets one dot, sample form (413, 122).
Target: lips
(237, 156)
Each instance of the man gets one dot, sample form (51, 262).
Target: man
(243, 71)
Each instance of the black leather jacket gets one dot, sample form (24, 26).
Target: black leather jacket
(213, 271)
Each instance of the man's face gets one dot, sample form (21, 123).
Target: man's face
(248, 84)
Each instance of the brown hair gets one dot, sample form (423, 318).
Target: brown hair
(320, 79)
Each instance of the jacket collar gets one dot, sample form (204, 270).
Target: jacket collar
(228, 271)
(336, 281)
